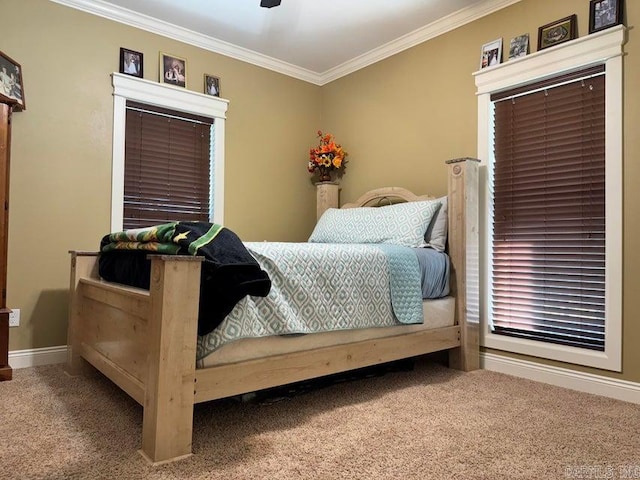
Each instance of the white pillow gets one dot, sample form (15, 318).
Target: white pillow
(401, 224)
(436, 236)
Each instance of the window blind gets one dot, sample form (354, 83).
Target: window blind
(167, 166)
(548, 210)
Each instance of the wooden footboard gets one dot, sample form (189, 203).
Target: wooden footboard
(145, 341)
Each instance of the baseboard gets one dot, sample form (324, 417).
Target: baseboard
(562, 377)
(37, 356)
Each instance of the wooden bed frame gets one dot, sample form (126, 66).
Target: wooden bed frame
(145, 340)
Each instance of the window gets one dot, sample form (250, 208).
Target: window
(167, 166)
(548, 211)
(540, 178)
(156, 97)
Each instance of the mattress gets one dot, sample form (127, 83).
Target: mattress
(437, 313)
(324, 287)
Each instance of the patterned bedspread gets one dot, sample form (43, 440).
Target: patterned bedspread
(322, 287)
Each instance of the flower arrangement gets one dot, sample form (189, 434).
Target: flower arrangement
(327, 157)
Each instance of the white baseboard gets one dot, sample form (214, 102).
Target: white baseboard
(37, 356)
(562, 377)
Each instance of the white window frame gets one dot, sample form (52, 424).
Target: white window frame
(603, 47)
(126, 87)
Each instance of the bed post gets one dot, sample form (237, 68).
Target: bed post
(464, 253)
(83, 265)
(167, 422)
(327, 196)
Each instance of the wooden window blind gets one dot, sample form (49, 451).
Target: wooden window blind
(548, 210)
(167, 166)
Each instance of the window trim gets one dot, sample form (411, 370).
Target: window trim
(126, 87)
(603, 47)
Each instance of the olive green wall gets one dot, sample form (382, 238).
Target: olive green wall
(61, 149)
(401, 118)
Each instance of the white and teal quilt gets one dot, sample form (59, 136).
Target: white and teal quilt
(319, 287)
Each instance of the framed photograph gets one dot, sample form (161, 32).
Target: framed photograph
(519, 46)
(604, 14)
(11, 86)
(131, 62)
(491, 54)
(211, 85)
(558, 32)
(173, 70)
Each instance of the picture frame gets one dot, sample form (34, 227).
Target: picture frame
(558, 32)
(11, 82)
(211, 85)
(519, 46)
(491, 54)
(173, 70)
(604, 14)
(131, 62)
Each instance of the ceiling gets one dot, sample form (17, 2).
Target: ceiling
(315, 40)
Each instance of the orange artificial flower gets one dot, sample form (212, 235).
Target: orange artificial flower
(328, 157)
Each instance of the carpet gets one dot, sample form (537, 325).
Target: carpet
(428, 422)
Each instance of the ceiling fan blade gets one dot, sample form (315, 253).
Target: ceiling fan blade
(269, 3)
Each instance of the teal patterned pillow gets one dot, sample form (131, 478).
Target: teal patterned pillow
(400, 224)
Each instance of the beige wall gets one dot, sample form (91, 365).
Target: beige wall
(401, 118)
(61, 149)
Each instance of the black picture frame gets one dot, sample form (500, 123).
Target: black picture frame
(211, 85)
(11, 82)
(131, 62)
(604, 14)
(558, 32)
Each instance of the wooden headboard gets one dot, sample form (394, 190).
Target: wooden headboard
(386, 196)
(463, 244)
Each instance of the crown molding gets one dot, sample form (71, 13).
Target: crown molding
(153, 25)
(434, 29)
(160, 27)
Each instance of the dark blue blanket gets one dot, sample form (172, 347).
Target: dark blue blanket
(229, 271)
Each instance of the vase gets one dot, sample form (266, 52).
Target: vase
(325, 177)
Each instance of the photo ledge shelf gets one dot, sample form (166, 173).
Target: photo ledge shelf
(590, 49)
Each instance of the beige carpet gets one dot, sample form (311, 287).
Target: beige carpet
(429, 423)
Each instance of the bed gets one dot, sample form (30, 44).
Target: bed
(145, 341)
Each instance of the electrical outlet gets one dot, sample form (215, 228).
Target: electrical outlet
(14, 318)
